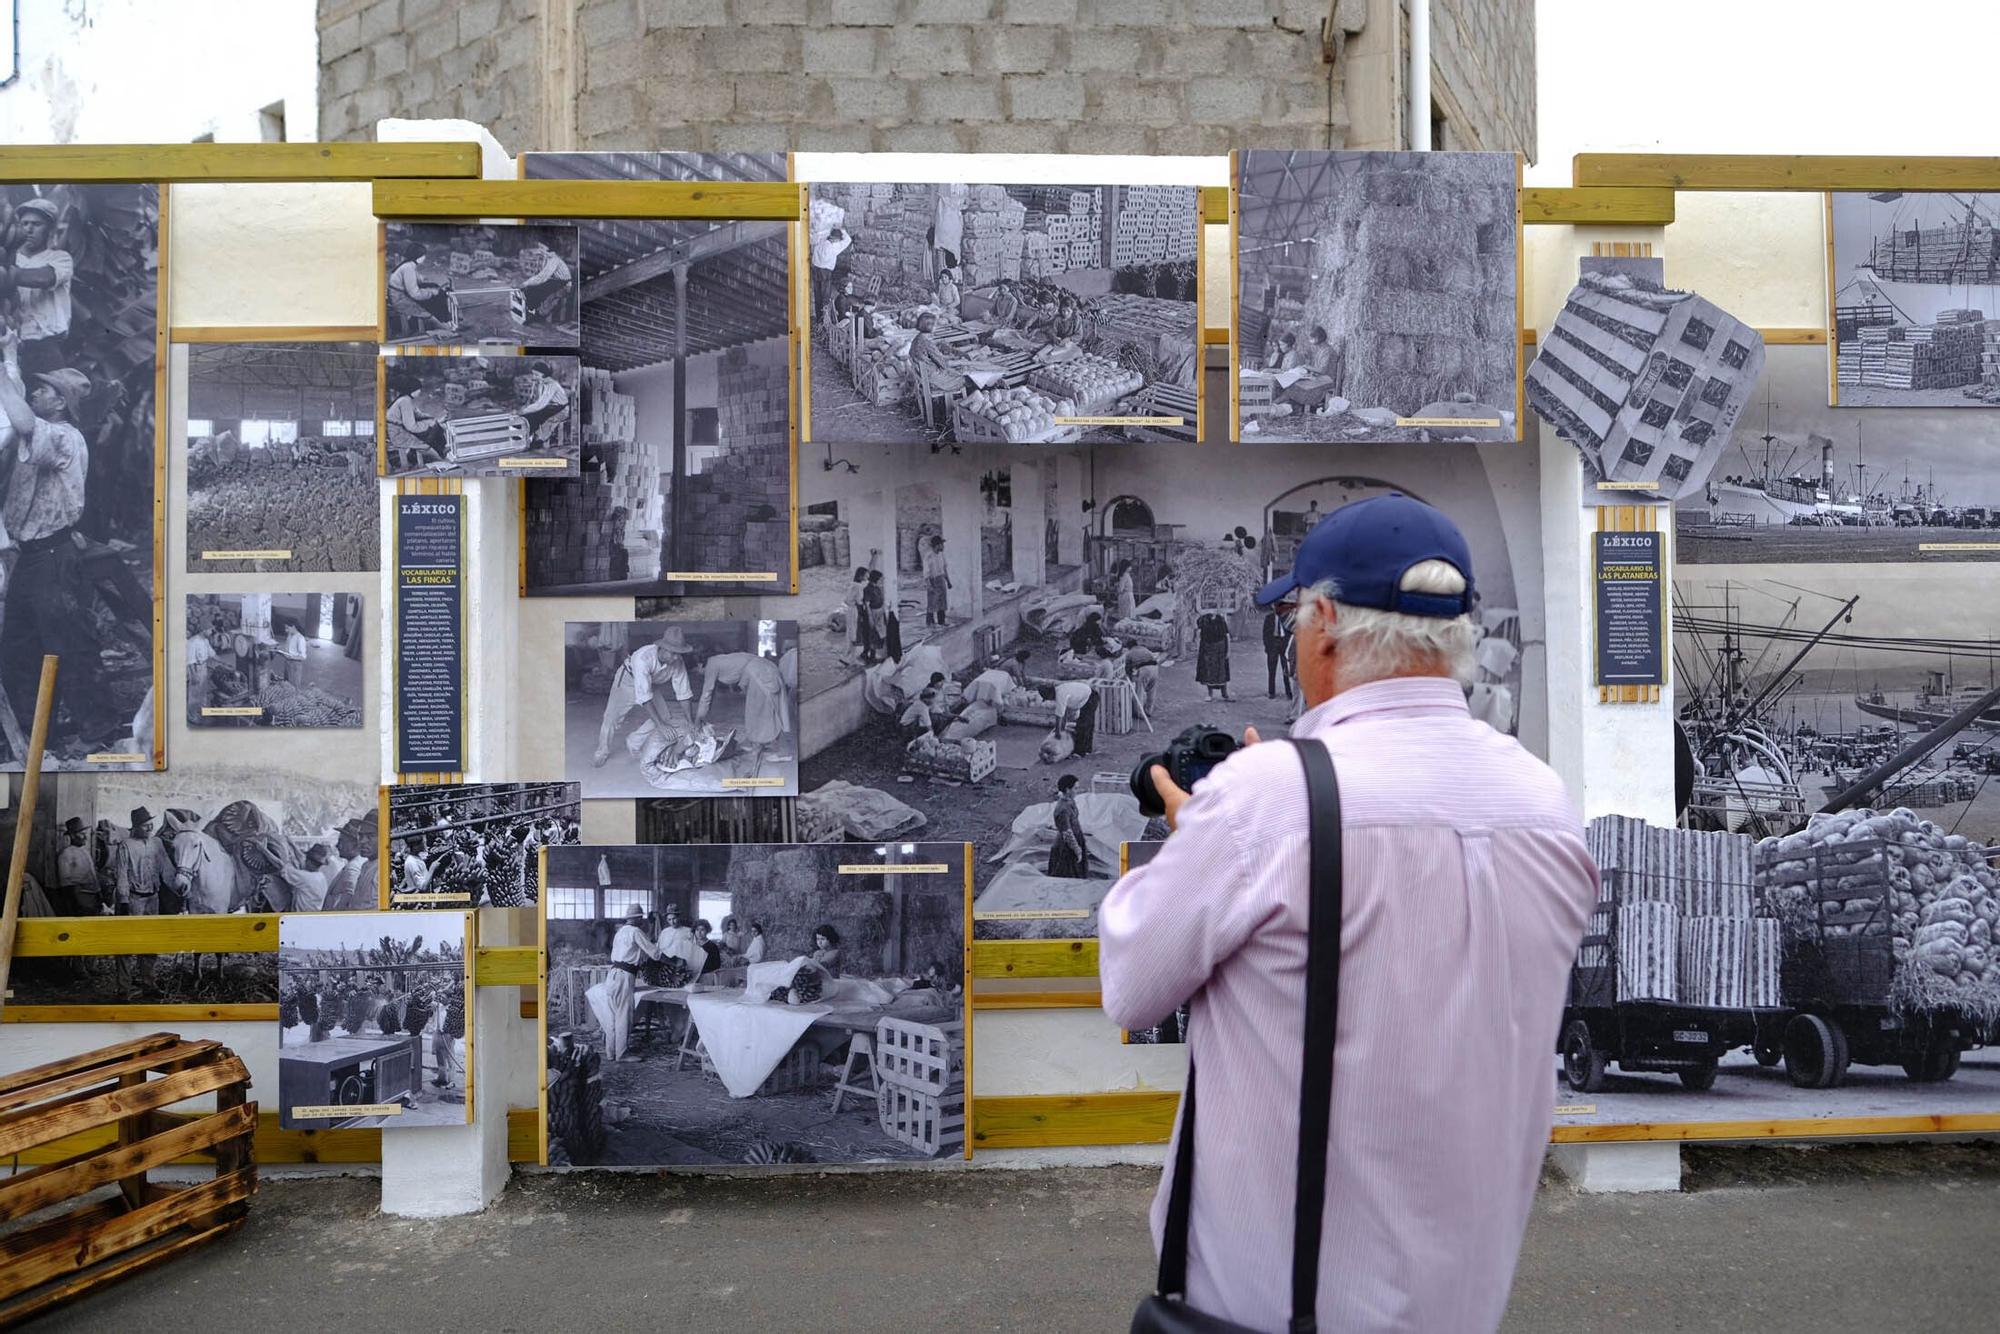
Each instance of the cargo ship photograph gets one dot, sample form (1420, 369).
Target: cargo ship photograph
(1913, 296)
(1802, 482)
(1822, 690)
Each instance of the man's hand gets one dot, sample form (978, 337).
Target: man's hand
(1171, 793)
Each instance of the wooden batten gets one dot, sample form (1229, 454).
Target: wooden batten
(1759, 173)
(1034, 958)
(1039, 1122)
(1628, 206)
(111, 164)
(761, 201)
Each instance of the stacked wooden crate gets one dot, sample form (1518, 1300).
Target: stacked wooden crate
(920, 1084)
(737, 513)
(1685, 903)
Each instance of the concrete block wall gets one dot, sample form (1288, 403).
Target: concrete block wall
(1483, 72)
(1077, 76)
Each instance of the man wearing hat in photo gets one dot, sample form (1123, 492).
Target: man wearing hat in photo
(142, 867)
(76, 872)
(544, 290)
(48, 599)
(544, 399)
(354, 888)
(40, 275)
(614, 999)
(1466, 886)
(654, 678)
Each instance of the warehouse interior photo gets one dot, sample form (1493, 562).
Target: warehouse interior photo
(281, 457)
(686, 397)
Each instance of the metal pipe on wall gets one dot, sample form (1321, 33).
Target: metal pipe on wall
(1419, 80)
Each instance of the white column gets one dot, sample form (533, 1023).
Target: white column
(1030, 547)
(1069, 513)
(433, 1171)
(962, 509)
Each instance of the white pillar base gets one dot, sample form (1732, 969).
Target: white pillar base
(1620, 1168)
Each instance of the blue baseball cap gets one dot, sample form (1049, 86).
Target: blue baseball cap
(1367, 547)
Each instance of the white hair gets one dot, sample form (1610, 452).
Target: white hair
(1375, 645)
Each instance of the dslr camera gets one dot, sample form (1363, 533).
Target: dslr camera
(1187, 760)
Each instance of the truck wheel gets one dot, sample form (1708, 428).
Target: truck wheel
(1815, 1052)
(1583, 1062)
(1700, 1078)
(1933, 1065)
(1768, 1054)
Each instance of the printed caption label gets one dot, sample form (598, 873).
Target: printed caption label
(334, 1111)
(1030, 914)
(232, 711)
(1447, 421)
(1121, 421)
(115, 757)
(1958, 546)
(462, 896)
(903, 868)
(1575, 1108)
(1628, 486)
(273, 553)
(754, 782)
(528, 464)
(724, 576)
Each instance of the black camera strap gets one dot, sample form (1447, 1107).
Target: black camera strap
(1322, 1013)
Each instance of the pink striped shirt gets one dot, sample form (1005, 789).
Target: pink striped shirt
(1467, 886)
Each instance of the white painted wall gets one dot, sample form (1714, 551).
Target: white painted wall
(161, 71)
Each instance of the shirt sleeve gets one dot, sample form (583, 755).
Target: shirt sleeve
(642, 676)
(1166, 926)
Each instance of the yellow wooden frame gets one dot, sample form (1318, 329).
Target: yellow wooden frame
(736, 201)
(274, 333)
(139, 164)
(1776, 173)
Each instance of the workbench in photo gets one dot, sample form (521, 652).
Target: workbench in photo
(756, 1004)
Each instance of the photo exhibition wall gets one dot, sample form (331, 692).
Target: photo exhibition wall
(731, 593)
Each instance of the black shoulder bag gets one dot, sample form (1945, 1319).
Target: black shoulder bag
(1167, 1311)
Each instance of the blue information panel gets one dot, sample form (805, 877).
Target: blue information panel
(1631, 619)
(430, 634)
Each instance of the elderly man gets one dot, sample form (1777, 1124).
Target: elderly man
(48, 597)
(543, 399)
(1466, 888)
(653, 678)
(543, 290)
(40, 275)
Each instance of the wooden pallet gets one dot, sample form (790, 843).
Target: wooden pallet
(96, 1239)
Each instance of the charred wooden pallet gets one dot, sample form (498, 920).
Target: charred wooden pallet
(94, 1215)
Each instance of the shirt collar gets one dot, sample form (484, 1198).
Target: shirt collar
(1404, 695)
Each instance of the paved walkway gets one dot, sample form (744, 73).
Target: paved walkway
(1819, 1241)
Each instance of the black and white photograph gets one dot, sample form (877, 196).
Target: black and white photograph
(478, 416)
(1172, 1030)
(475, 845)
(1801, 482)
(687, 469)
(281, 458)
(688, 708)
(196, 840)
(449, 284)
(992, 641)
(1647, 382)
(1913, 299)
(274, 660)
(84, 428)
(1832, 965)
(374, 1019)
(756, 1004)
(951, 314)
(1378, 296)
